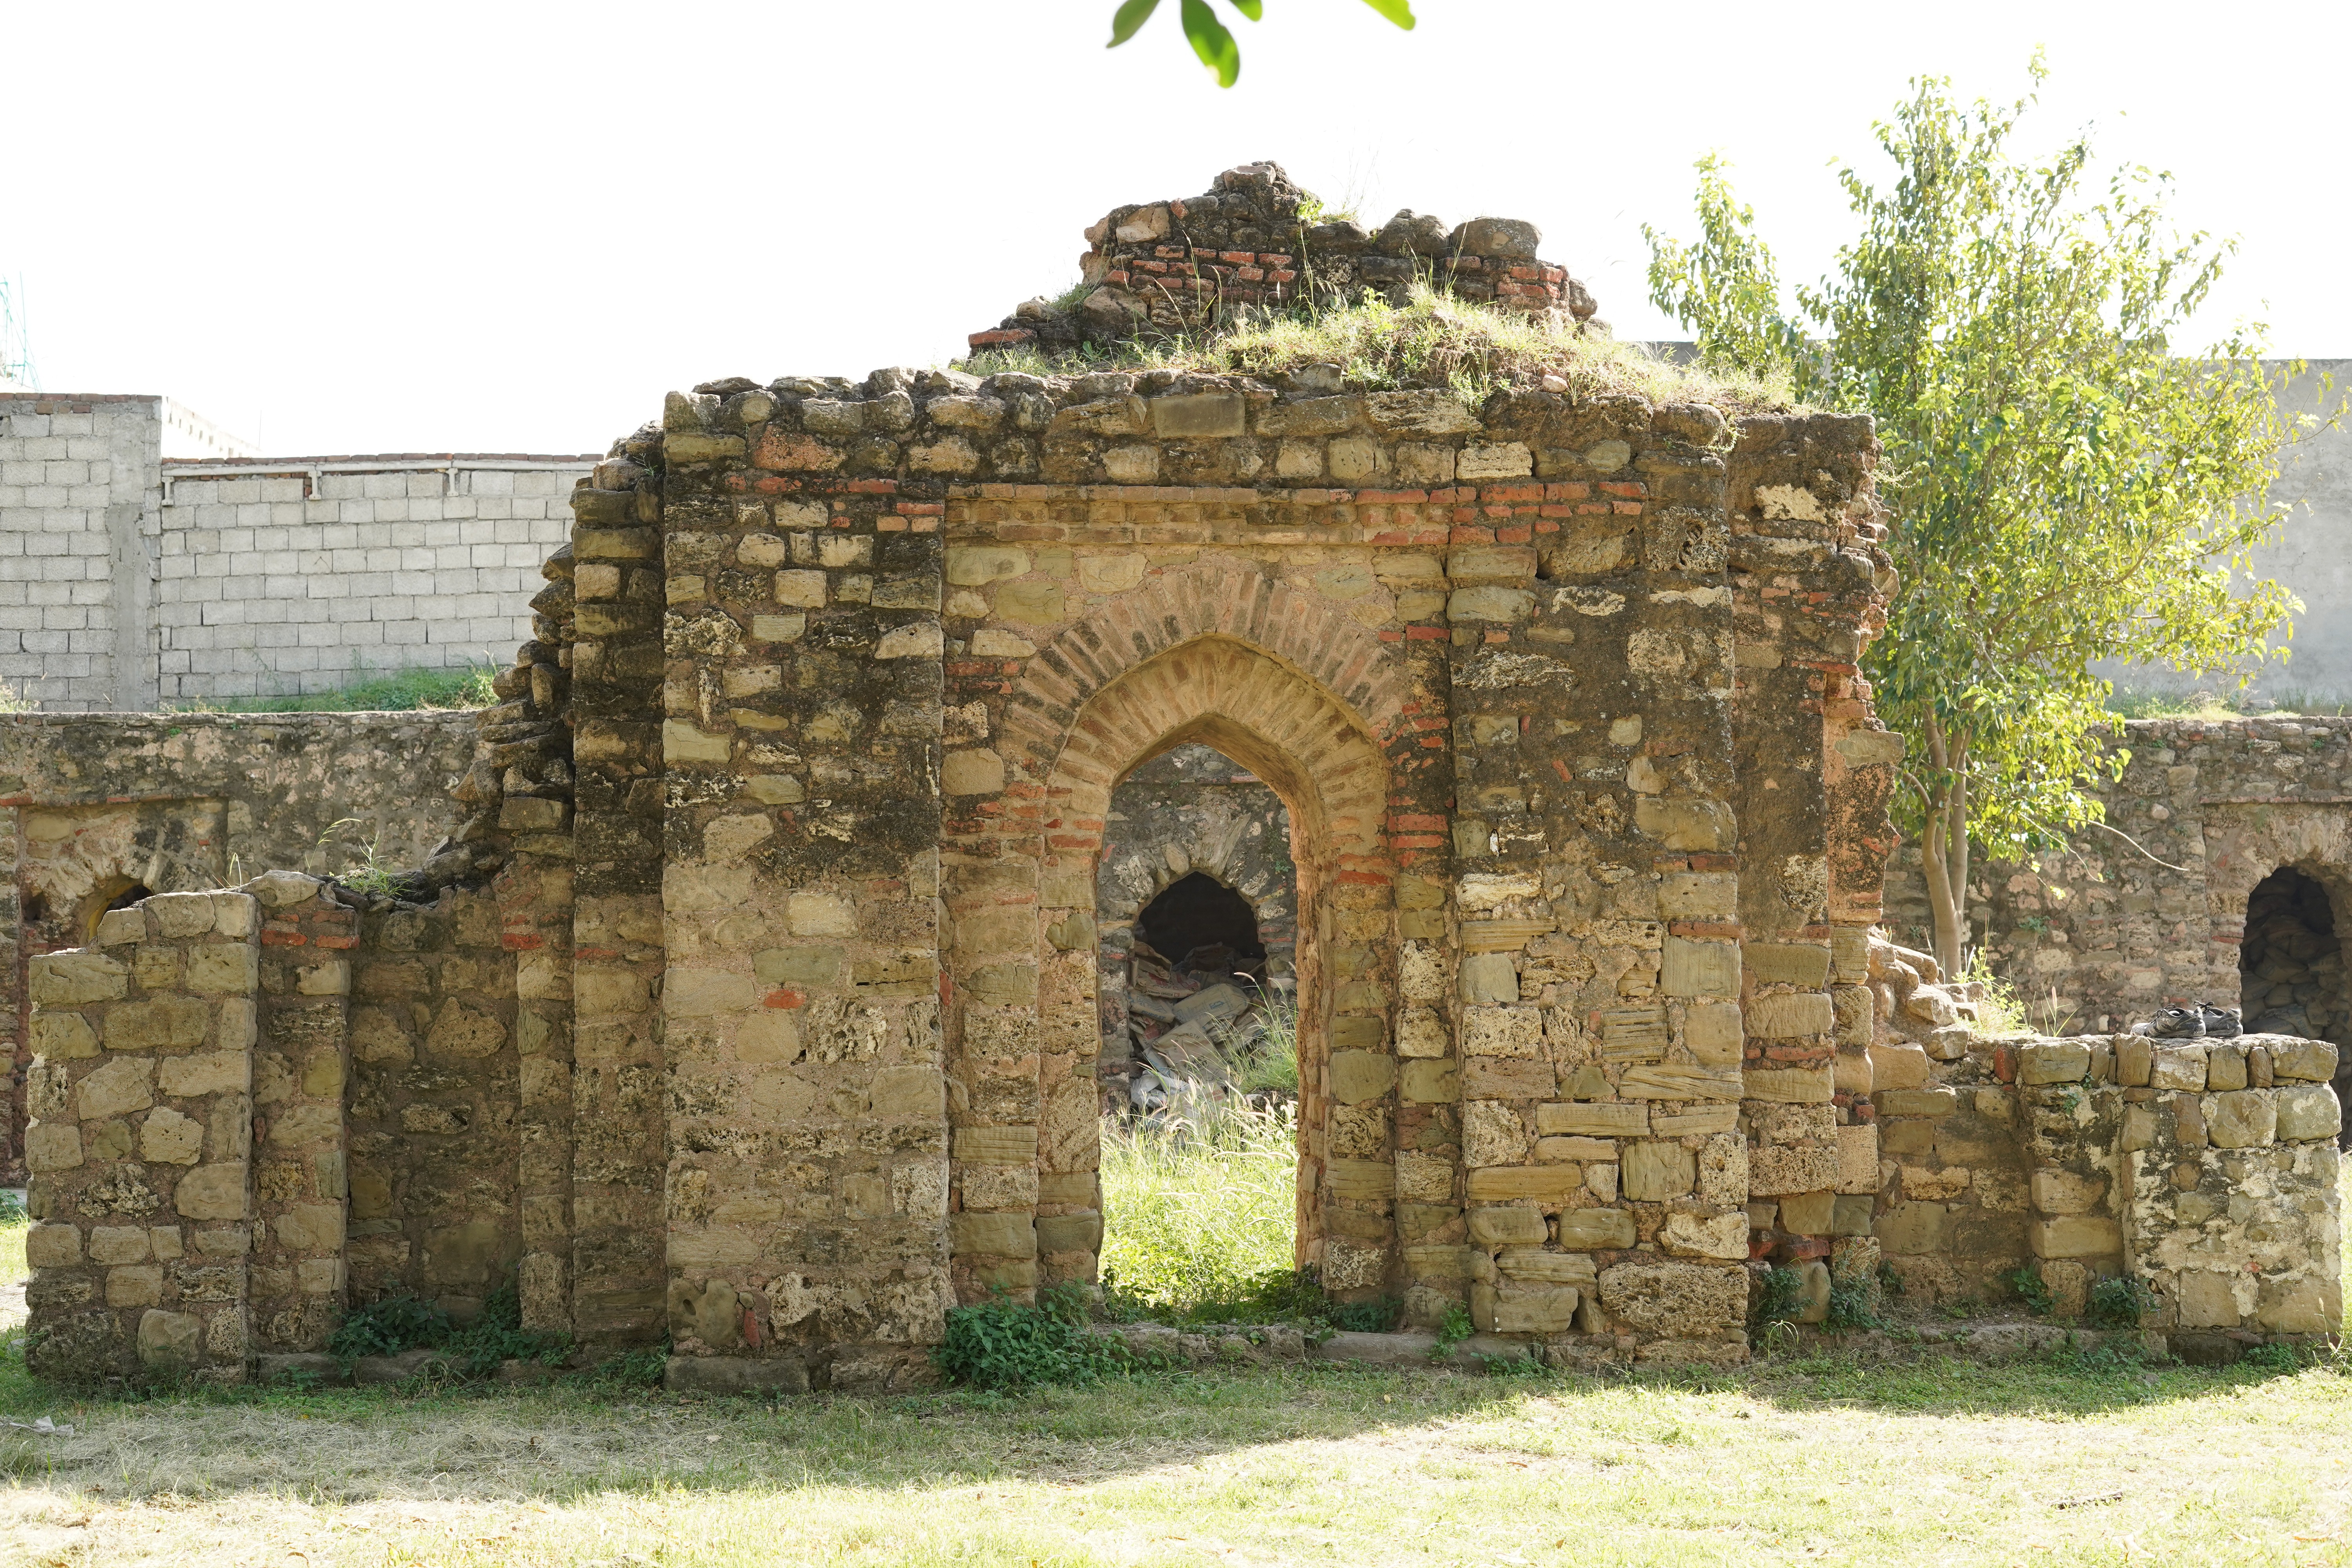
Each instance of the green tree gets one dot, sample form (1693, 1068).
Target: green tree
(2067, 485)
(1212, 39)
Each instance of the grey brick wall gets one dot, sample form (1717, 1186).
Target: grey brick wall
(78, 497)
(128, 582)
(293, 580)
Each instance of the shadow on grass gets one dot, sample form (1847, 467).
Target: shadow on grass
(575, 1438)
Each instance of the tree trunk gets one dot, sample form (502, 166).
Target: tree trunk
(1944, 850)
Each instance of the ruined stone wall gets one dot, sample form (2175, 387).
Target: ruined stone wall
(754, 1000)
(94, 807)
(1500, 712)
(140, 1142)
(2204, 1169)
(769, 1019)
(434, 1101)
(1257, 241)
(2151, 911)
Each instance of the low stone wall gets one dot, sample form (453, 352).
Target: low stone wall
(2205, 1169)
(96, 807)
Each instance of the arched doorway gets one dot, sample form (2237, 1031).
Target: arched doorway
(2291, 978)
(1200, 923)
(1195, 898)
(1194, 892)
(1316, 752)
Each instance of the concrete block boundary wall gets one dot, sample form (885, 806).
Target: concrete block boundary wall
(128, 580)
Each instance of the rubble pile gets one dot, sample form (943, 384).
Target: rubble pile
(1200, 1025)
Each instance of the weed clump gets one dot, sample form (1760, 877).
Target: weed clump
(1774, 1299)
(1853, 1306)
(404, 1323)
(2120, 1303)
(2028, 1285)
(1001, 1343)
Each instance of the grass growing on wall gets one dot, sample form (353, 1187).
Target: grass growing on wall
(402, 692)
(1433, 339)
(2277, 703)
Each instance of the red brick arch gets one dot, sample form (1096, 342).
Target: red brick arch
(1295, 629)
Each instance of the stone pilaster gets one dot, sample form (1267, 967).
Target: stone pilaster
(140, 1141)
(617, 1132)
(302, 1070)
(800, 1001)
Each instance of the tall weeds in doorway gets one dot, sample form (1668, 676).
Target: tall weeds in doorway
(1198, 1206)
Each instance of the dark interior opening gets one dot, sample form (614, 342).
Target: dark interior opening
(2291, 965)
(1196, 914)
(92, 912)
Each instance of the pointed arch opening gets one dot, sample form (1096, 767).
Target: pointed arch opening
(2291, 962)
(1321, 760)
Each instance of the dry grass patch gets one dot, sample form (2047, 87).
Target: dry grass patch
(2064, 1461)
(1934, 1463)
(1433, 339)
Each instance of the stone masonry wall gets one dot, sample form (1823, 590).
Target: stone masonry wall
(2205, 1169)
(140, 1143)
(93, 807)
(753, 999)
(2152, 910)
(1374, 655)
(1255, 241)
(301, 1065)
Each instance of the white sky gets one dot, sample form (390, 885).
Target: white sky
(502, 227)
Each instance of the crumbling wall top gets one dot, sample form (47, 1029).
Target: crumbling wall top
(1256, 239)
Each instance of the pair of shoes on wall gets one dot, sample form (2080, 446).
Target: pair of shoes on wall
(2202, 1022)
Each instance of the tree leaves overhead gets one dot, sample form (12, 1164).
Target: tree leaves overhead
(2067, 486)
(1212, 42)
(1127, 18)
(1212, 39)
